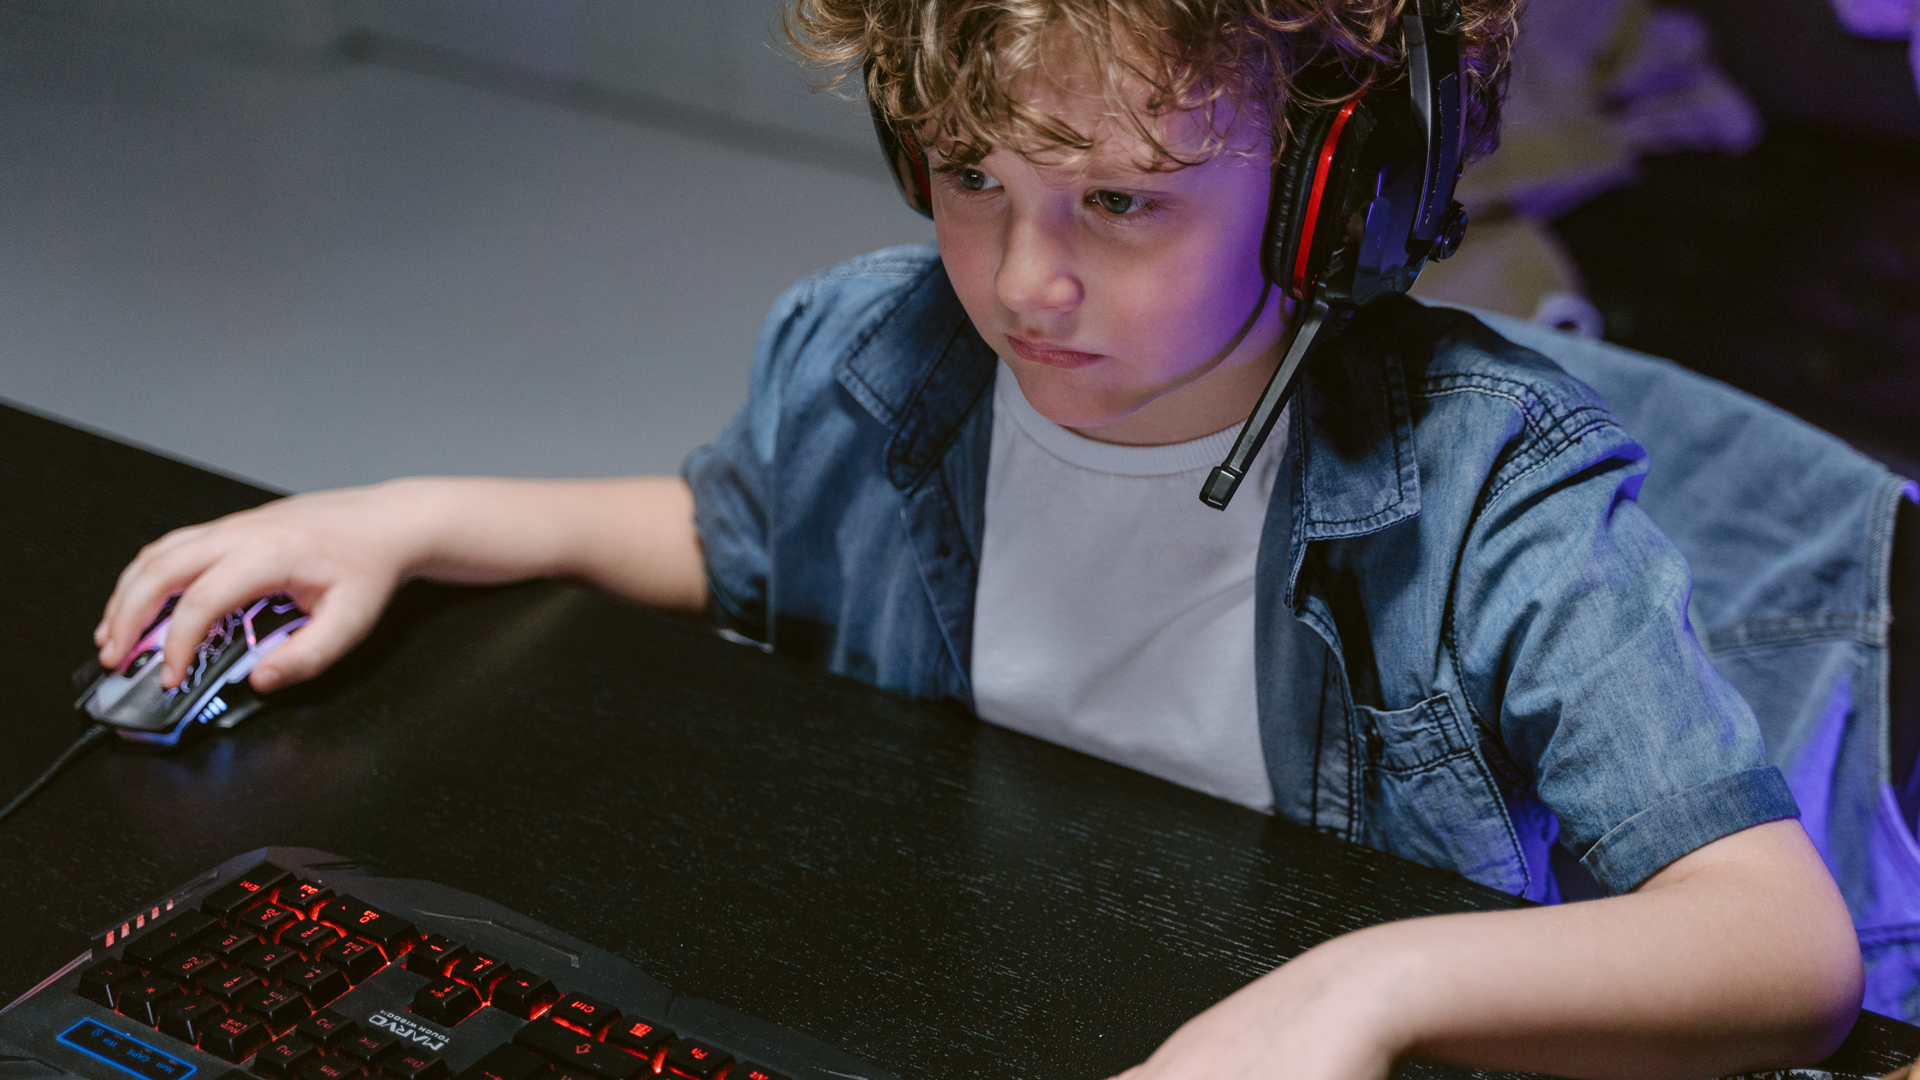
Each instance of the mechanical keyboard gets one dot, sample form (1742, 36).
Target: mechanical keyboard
(293, 964)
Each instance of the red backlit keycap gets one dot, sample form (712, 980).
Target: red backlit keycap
(187, 1018)
(433, 956)
(446, 1002)
(412, 1063)
(233, 1037)
(267, 960)
(267, 920)
(326, 1027)
(281, 1007)
(229, 986)
(158, 941)
(392, 933)
(585, 1014)
(226, 942)
(637, 1036)
(506, 1063)
(479, 971)
(357, 958)
(364, 1046)
(188, 968)
(141, 998)
(244, 891)
(750, 1071)
(97, 982)
(280, 1057)
(318, 982)
(304, 895)
(579, 1052)
(309, 937)
(524, 994)
(696, 1059)
(328, 1068)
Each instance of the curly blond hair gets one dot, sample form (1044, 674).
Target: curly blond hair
(948, 70)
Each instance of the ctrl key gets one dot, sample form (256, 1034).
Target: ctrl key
(234, 1037)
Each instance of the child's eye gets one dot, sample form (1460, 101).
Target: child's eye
(971, 179)
(1119, 203)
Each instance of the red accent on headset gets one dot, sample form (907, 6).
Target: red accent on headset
(920, 177)
(1312, 218)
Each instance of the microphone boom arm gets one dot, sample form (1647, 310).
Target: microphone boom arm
(1316, 318)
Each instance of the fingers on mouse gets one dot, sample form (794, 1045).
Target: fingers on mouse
(212, 693)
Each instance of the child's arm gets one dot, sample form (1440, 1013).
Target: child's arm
(341, 554)
(1737, 956)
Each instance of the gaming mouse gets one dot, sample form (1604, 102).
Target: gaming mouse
(213, 693)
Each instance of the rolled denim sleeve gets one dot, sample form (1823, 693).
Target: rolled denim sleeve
(731, 479)
(1571, 623)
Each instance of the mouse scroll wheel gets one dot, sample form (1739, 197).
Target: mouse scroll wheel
(134, 665)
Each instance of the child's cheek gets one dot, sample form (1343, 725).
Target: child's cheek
(968, 255)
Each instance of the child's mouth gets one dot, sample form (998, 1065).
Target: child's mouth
(1042, 354)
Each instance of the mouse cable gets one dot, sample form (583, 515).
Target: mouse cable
(80, 746)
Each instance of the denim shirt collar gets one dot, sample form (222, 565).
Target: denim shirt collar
(1351, 441)
(921, 370)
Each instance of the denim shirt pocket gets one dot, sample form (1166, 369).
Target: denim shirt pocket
(1430, 797)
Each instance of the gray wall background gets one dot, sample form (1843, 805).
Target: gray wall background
(522, 238)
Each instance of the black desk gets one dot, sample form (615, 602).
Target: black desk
(937, 895)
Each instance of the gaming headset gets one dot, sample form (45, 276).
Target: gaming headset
(1362, 197)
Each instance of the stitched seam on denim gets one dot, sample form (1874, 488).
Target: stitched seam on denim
(1356, 762)
(1400, 451)
(944, 518)
(1480, 768)
(1542, 416)
(1633, 823)
(924, 462)
(872, 329)
(1360, 522)
(1319, 739)
(1500, 804)
(1539, 449)
(1424, 765)
(1796, 629)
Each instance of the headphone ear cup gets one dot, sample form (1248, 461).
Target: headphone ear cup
(1292, 183)
(906, 161)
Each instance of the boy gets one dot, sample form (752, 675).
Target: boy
(1433, 620)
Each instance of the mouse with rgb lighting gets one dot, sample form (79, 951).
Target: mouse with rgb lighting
(212, 694)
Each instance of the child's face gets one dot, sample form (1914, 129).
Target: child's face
(1109, 289)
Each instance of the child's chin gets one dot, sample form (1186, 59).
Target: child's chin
(1083, 415)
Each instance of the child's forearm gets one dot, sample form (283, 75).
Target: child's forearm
(1738, 956)
(633, 537)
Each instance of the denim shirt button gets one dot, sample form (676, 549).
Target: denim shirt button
(1376, 746)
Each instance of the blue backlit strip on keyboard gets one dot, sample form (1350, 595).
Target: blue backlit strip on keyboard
(124, 1052)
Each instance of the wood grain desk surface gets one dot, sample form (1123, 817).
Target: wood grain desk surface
(937, 895)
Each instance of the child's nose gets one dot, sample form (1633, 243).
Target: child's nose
(1037, 272)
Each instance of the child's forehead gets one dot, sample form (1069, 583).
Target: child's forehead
(1077, 127)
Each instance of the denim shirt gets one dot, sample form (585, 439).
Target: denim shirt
(1470, 640)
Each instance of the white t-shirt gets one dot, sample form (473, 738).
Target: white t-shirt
(1114, 613)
